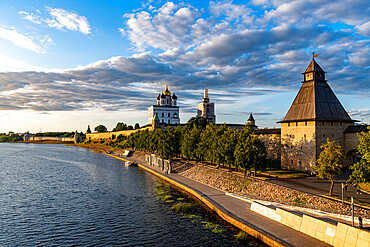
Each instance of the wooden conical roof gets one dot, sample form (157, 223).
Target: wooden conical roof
(316, 101)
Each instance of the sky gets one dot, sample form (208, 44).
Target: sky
(68, 64)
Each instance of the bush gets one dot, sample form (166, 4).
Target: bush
(182, 207)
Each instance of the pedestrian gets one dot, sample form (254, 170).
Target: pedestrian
(360, 221)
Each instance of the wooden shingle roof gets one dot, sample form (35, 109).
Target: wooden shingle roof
(316, 101)
(313, 67)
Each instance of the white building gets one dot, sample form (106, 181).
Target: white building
(206, 109)
(166, 108)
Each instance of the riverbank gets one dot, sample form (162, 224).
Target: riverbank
(235, 211)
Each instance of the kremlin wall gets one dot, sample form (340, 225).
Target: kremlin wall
(315, 115)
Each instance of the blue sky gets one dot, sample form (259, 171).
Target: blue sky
(67, 64)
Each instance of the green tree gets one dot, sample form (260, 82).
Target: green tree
(243, 148)
(200, 122)
(361, 170)
(137, 126)
(120, 127)
(100, 128)
(330, 162)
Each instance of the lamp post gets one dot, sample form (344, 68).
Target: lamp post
(353, 216)
(342, 194)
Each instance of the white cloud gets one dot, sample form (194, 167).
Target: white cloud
(24, 41)
(60, 19)
(69, 20)
(30, 17)
(364, 29)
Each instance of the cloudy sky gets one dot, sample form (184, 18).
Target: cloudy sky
(67, 64)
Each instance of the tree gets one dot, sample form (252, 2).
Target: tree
(361, 170)
(120, 127)
(330, 162)
(200, 122)
(137, 126)
(100, 128)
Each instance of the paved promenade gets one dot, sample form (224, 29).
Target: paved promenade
(239, 210)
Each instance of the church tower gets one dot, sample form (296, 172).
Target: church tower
(315, 115)
(251, 122)
(206, 108)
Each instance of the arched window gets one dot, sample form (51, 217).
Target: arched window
(169, 114)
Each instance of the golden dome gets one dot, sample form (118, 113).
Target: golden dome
(167, 92)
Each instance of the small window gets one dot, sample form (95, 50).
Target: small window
(332, 123)
(169, 121)
(288, 124)
(162, 114)
(305, 123)
(340, 123)
(169, 114)
(299, 162)
(296, 123)
(332, 135)
(304, 136)
(292, 161)
(323, 135)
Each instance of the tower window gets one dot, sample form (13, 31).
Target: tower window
(332, 123)
(305, 123)
(340, 123)
(169, 114)
(162, 114)
(288, 124)
(299, 162)
(296, 123)
(332, 135)
(304, 136)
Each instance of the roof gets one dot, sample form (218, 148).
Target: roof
(251, 117)
(356, 129)
(166, 92)
(316, 101)
(174, 96)
(267, 131)
(314, 67)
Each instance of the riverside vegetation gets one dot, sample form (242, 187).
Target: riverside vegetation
(187, 207)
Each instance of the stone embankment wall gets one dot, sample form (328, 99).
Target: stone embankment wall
(261, 190)
(49, 138)
(334, 234)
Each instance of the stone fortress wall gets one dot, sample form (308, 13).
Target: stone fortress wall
(114, 134)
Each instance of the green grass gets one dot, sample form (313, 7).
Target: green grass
(241, 237)
(299, 200)
(182, 207)
(216, 228)
(282, 173)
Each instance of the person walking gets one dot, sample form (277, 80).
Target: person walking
(360, 222)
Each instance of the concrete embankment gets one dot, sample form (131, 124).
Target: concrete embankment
(236, 211)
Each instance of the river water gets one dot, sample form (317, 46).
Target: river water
(56, 195)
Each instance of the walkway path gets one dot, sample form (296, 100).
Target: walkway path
(240, 210)
(316, 186)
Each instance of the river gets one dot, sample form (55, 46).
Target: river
(56, 195)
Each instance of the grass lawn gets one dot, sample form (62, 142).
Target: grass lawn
(283, 173)
(365, 186)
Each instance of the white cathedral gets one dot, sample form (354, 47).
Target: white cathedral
(166, 108)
